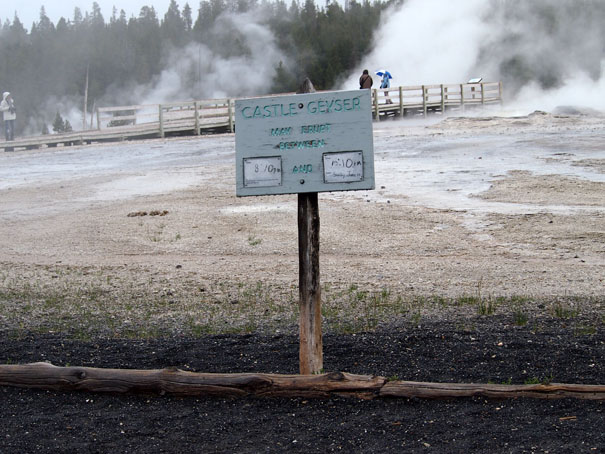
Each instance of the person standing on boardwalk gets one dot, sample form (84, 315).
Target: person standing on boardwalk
(365, 81)
(386, 83)
(7, 107)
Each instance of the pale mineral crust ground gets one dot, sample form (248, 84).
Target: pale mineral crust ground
(480, 257)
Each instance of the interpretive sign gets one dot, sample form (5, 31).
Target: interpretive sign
(315, 142)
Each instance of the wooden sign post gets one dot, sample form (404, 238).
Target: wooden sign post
(311, 359)
(304, 144)
(311, 344)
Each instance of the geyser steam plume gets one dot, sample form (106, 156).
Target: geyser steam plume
(240, 60)
(546, 52)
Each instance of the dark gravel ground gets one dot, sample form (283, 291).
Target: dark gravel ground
(485, 349)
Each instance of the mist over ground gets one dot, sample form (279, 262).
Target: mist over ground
(547, 52)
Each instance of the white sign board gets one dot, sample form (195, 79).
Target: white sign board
(262, 172)
(313, 142)
(344, 167)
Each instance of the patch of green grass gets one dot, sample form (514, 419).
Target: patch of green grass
(87, 302)
(509, 381)
(564, 310)
(518, 300)
(467, 300)
(415, 318)
(355, 310)
(546, 380)
(440, 300)
(532, 381)
(199, 330)
(254, 241)
(520, 318)
(486, 306)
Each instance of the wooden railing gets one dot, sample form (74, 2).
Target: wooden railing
(218, 115)
(171, 118)
(422, 99)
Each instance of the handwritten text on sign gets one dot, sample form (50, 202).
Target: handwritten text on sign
(313, 142)
(343, 167)
(262, 172)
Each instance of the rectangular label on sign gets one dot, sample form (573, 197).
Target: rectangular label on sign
(343, 167)
(262, 172)
(314, 142)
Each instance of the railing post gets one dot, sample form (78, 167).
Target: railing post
(197, 118)
(500, 91)
(230, 111)
(482, 93)
(424, 100)
(442, 100)
(401, 111)
(376, 111)
(98, 120)
(161, 117)
(462, 97)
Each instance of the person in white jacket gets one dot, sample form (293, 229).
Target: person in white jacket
(7, 107)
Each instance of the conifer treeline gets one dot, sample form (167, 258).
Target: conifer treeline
(49, 61)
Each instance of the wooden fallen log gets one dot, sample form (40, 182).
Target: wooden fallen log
(177, 382)
(183, 383)
(450, 390)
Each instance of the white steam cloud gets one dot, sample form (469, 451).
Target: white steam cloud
(70, 109)
(428, 41)
(577, 90)
(548, 53)
(241, 61)
(201, 72)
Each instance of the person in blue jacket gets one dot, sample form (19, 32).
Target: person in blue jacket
(386, 83)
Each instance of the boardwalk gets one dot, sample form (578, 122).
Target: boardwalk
(423, 99)
(217, 115)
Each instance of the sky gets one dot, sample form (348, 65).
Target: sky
(28, 11)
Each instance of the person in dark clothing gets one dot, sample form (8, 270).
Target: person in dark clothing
(365, 81)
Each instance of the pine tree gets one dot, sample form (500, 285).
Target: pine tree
(187, 17)
(45, 25)
(58, 124)
(283, 81)
(173, 26)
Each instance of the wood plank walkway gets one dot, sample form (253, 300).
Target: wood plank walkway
(425, 99)
(218, 115)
